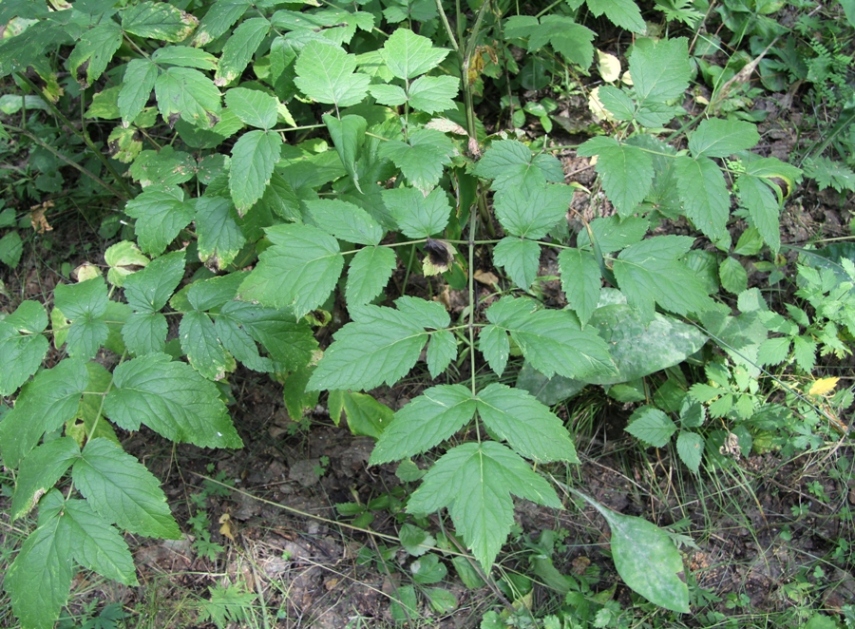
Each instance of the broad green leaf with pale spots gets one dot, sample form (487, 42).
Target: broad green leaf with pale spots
(757, 197)
(519, 257)
(220, 236)
(239, 49)
(660, 69)
(716, 137)
(651, 426)
(422, 158)
(475, 481)
(43, 405)
(85, 305)
(408, 55)
(187, 93)
(509, 164)
(161, 214)
(254, 156)
(298, 271)
(531, 209)
(345, 221)
(326, 73)
(218, 19)
(368, 274)
(253, 107)
(442, 349)
(120, 489)
(627, 171)
(646, 559)
(97, 545)
(348, 136)
(581, 281)
(417, 215)
(158, 20)
(493, 343)
(22, 346)
(39, 471)
(528, 426)
(551, 340)
(40, 577)
(199, 340)
(623, 13)
(425, 422)
(138, 82)
(432, 94)
(690, 447)
(172, 399)
(95, 48)
(184, 56)
(651, 272)
(703, 192)
(379, 345)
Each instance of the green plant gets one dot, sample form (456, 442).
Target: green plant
(227, 604)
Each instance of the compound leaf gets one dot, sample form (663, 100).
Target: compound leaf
(39, 472)
(432, 94)
(345, 221)
(326, 74)
(581, 281)
(254, 156)
(651, 426)
(158, 20)
(408, 55)
(348, 136)
(509, 163)
(188, 94)
(660, 69)
(703, 192)
(239, 49)
(253, 107)
(623, 13)
(716, 137)
(85, 305)
(417, 215)
(442, 349)
(97, 545)
(161, 214)
(201, 343)
(520, 258)
(495, 346)
(690, 447)
(368, 273)
(219, 18)
(220, 236)
(95, 48)
(421, 158)
(22, 346)
(531, 209)
(627, 171)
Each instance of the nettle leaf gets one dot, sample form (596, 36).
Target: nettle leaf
(158, 20)
(417, 215)
(120, 489)
(651, 271)
(345, 221)
(326, 74)
(425, 422)
(161, 213)
(421, 158)
(408, 55)
(188, 94)
(95, 48)
(627, 171)
(551, 340)
(528, 426)
(703, 192)
(651, 426)
(510, 164)
(581, 281)
(85, 305)
(172, 399)
(298, 271)
(254, 108)
(137, 84)
(220, 236)
(379, 345)
(348, 136)
(22, 346)
(254, 157)
(432, 94)
(43, 405)
(532, 209)
(220, 17)
(442, 349)
(475, 481)
(623, 13)
(519, 257)
(39, 472)
(763, 207)
(368, 273)
(716, 137)
(239, 49)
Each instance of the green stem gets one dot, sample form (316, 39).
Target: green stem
(444, 18)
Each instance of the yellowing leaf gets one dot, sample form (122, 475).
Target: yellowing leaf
(599, 111)
(608, 66)
(226, 528)
(823, 386)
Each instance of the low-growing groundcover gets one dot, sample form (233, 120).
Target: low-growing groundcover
(361, 203)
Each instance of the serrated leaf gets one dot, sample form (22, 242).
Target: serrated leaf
(85, 305)
(581, 281)
(660, 69)
(165, 167)
(716, 137)
(22, 346)
(254, 156)
(408, 55)
(172, 399)
(201, 344)
(39, 472)
(548, 391)
(379, 345)
(734, 278)
(494, 345)
(421, 158)
(690, 447)
(417, 215)
(442, 349)
(391, 95)
(804, 351)
(428, 569)
(137, 84)
(11, 248)
(220, 236)
(773, 351)
(345, 221)
(188, 94)
(326, 74)
(416, 541)
(348, 136)
(365, 415)
(757, 197)
(627, 171)
(475, 481)
(281, 199)
(432, 94)
(509, 163)
(95, 48)
(651, 426)
(120, 489)
(623, 13)
(184, 56)
(239, 49)
(161, 214)
(96, 545)
(567, 37)
(218, 19)
(703, 192)
(253, 107)
(404, 606)
(520, 258)
(532, 209)
(298, 271)
(528, 426)
(368, 273)
(425, 422)
(650, 272)
(158, 20)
